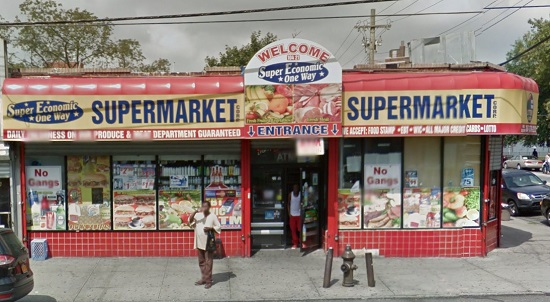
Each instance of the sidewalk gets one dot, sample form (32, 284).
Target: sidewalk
(522, 268)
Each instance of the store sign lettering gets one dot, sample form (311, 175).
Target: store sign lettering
(166, 111)
(293, 73)
(41, 178)
(45, 111)
(294, 50)
(422, 107)
(382, 176)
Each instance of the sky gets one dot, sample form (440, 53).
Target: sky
(186, 46)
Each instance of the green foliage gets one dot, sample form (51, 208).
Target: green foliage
(71, 45)
(158, 65)
(536, 65)
(239, 56)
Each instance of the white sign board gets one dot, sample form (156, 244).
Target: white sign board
(310, 146)
(383, 176)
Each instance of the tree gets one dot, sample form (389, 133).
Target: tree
(239, 56)
(70, 45)
(158, 65)
(536, 65)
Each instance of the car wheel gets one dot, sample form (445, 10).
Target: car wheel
(514, 211)
(518, 167)
(548, 216)
(505, 166)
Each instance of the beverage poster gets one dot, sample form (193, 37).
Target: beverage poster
(46, 198)
(134, 197)
(225, 201)
(89, 193)
(175, 207)
(349, 209)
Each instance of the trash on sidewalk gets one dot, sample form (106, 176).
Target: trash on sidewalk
(505, 216)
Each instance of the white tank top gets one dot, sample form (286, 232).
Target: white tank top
(295, 204)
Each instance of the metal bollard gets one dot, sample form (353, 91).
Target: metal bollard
(370, 270)
(328, 268)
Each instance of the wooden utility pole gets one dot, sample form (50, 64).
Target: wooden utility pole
(371, 42)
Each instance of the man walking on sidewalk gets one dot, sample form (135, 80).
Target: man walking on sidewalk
(294, 212)
(204, 221)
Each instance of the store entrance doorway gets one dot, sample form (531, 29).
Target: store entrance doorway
(272, 185)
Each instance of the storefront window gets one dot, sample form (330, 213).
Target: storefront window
(180, 190)
(422, 185)
(349, 192)
(134, 197)
(462, 176)
(382, 183)
(89, 192)
(45, 193)
(222, 180)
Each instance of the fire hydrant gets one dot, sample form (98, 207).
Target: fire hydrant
(348, 267)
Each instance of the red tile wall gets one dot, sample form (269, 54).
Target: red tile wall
(492, 235)
(131, 244)
(416, 243)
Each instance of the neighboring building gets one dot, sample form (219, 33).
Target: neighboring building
(399, 160)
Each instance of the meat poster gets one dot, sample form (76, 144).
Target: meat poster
(175, 207)
(293, 87)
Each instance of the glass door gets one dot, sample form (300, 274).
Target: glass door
(311, 192)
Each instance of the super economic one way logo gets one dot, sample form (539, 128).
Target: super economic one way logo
(45, 111)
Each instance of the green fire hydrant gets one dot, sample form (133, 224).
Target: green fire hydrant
(348, 267)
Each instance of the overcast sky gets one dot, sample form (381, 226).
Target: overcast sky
(187, 45)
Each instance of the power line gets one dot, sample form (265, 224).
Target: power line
(342, 44)
(385, 9)
(404, 8)
(420, 11)
(191, 15)
(252, 20)
(467, 20)
(502, 19)
(492, 19)
(357, 37)
(519, 55)
(509, 7)
(360, 52)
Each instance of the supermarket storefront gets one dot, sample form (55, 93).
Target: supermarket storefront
(405, 163)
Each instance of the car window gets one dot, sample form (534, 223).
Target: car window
(528, 157)
(12, 243)
(523, 180)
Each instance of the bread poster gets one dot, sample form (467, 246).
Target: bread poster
(349, 209)
(89, 193)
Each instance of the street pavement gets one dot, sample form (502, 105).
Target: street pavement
(516, 272)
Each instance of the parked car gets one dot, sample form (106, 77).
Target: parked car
(16, 276)
(545, 208)
(523, 162)
(523, 191)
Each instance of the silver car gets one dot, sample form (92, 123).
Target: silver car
(523, 162)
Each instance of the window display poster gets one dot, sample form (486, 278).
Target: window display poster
(461, 207)
(89, 193)
(422, 208)
(349, 209)
(134, 210)
(467, 177)
(179, 181)
(383, 176)
(175, 207)
(44, 186)
(411, 179)
(226, 205)
(382, 208)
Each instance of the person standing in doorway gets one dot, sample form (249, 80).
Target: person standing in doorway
(294, 211)
(535, 153)
(203, 221)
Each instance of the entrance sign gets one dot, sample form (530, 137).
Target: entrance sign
(310, 146)
(293, 89)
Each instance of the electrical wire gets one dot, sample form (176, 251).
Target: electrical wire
(342, 44)
(525, 6)
(467, 20)
(385, 9)
(521, 54)
(360, 52)
(248, 20)
(495, 17)
(400, 10)
(420, 11)
(501, 19)
(342, 55)
(191, 15)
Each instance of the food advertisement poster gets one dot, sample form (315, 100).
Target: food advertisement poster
(461, 207)
(421, 208)
(45, 198)
(293, 87)
(175, 207)
(226, 205)
(89, 193)
(134, 197)
(349, 209)
(382, 200)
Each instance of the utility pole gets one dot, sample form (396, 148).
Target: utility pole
(370, 43)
